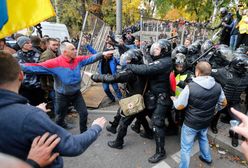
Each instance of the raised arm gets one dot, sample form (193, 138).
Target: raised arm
(85, 60)
(153, 68)
(121, 77)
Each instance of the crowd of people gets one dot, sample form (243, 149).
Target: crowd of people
(191, 86)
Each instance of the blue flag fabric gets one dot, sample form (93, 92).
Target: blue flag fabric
(3, 13)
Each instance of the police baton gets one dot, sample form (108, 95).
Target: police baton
(203, 55)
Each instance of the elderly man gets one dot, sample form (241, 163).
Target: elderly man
(200, 98)
(66, 70)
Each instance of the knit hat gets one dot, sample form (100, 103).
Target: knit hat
(21, 41)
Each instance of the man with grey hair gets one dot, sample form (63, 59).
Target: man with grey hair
(66, 70)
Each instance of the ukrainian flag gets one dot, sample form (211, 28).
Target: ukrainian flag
(19, 14)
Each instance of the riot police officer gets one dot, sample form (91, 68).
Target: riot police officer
(135, 84)
(234, 81)
(226, 19)
(158, 72)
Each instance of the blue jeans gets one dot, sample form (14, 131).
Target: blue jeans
(108, 92)
(187, 141)
(233, 41)
(62, 103)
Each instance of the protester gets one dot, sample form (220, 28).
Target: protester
(41, 152)
(66, 70)
(108, 66)
(8, 161)
(200, 98)
(243, 29)
(47, 80)
(4, 47)
(22, 122)
(31, 87)
(187, 42)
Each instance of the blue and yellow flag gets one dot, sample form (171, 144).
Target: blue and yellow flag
(19, 14)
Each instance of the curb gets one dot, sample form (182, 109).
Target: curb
(225, 143)
(102, 111)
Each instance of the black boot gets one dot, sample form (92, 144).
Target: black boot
(136, 126)
(214, 129)
(214, 123)
(225, 119)
(115, 144)
(111, 128)
(235, 137)
(160, 151)
(114, 124)
(148, 135)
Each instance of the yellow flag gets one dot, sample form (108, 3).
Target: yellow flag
(23, 14)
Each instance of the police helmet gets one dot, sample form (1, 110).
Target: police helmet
(163, 45)
(240, 63)
(133, 56)
(223, 11)
(206, 46)
(179, 49)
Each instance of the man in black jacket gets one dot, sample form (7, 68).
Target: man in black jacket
(158, 71)
(234, 80)
(134, 85)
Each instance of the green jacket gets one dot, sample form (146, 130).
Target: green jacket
(47, 80)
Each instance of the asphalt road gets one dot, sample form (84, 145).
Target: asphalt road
(136, 151)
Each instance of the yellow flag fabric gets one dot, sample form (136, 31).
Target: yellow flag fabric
(25, 13)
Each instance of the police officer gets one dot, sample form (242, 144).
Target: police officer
(158, 72)
(135, 84)
(234, 81)
(226, 19)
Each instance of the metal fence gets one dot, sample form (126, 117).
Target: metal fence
(153, 29)
(95, 31)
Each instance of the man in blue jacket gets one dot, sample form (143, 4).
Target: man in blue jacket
(66, 70)
(20, 123)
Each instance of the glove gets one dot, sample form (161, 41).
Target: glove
(95, 78)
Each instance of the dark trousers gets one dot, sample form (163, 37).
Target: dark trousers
(227, 112)
(62, 103)
(158, 125)
(225, 37)
(242, 39)
(126, 121)
(35, 96)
